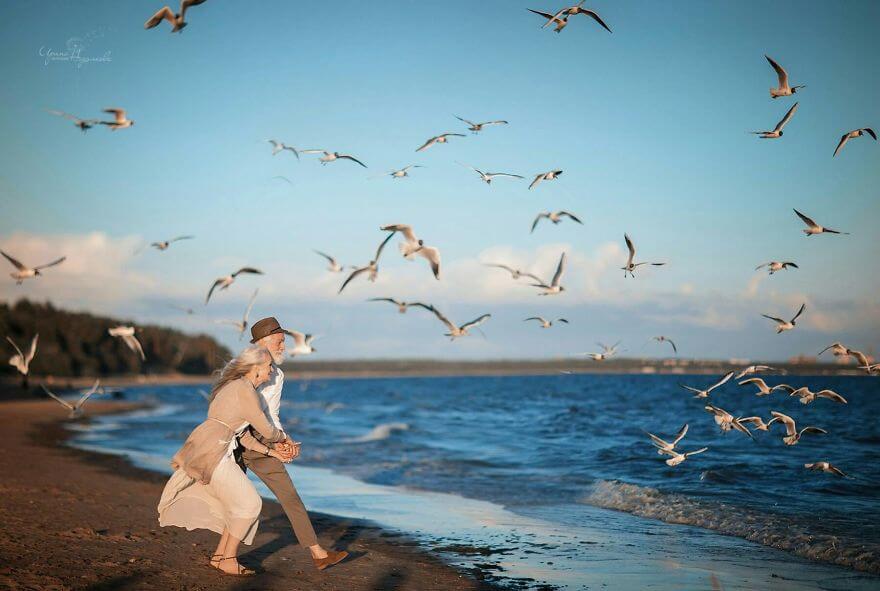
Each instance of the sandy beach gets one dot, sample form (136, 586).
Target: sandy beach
(79, 520)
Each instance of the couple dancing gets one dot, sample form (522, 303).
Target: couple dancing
(209, 488)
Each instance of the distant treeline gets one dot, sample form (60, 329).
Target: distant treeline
(77, 344)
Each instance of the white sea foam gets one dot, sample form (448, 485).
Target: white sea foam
(777, 531)
(379, 432)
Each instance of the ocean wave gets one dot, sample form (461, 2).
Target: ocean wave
(379, 432)
(776, 531)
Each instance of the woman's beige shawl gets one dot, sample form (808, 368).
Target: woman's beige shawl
(234, 405)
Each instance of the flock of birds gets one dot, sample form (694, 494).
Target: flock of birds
(412, 247)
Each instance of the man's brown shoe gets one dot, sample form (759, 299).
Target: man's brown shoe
(333, 557)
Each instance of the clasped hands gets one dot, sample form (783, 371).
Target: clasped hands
(286, 450)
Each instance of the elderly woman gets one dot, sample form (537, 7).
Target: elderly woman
(208, 490)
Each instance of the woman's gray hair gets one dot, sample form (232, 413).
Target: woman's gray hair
(239, 366)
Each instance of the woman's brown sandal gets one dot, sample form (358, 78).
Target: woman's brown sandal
(242, 571)
(215, 558)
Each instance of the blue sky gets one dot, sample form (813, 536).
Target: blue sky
(649, 124)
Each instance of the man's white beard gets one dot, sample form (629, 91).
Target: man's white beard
(278, 358)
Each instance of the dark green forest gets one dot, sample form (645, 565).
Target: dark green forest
(77, 344)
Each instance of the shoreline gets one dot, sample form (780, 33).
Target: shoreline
(105, 507)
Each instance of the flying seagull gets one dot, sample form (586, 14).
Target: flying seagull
(792, 435)
(438, 139)
(807, 396)
(774, 266)
(838, 349)
(302, 343)
(783, 89)
(550, 175)
(825, 467)
(544, 322)
(225, 282)
(488, 176)
(783, 325)
(412, 246)
(752, 369)
(758, 423)
(667, 446)
(334, 266)
(402, 307)
(242, 324)
(477, 127)
(332, 156)
(372, 268)
(458, 331)
(607, 352)
(120, 120)
(126, 333)
(705, 393)
(83, 124)
(75, 408)
(554, 287)
(776, 132)
(280, 146)
(849, 136)
(678, 457)
(814, 228)
(23, 272)
(560, 22)
(177, 21)
(20, 361)
(572, 11)
(514, 273)
(630, 264)
(399, 174)
(555, 217)
(763, 388)
(727, 421)
(663, 339)
(163, 245)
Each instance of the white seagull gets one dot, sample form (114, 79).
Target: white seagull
(544, 322)
(225, 282)
(83, 124)
(550, 175)
(332, 156)
(814, 228)
(178, 21)
(727, 421)
(243, 323)
(572, 11)
(631, 265)
(412, 246)
(678, 457)
(825, 467)
(458, 331)
(663, 339)
(75, 408)
(23, 272)
(783, 325)
(774, 266)
(555, 217)
(302, 343)
(758, 423)
(705, 393)
(776, 132)
(120, 120)
(280, 146)
(126, 333)
(850, 136)
(488, 176)
(438, 139)
(668, 446)
(20, 361)
(838, 349)
(334, 266)
(477, 127)
(372, 268)
(792, 435)
(554, 287)
(783, 89)
(752, 369)
(607, 352)
(402, 307)
(763, 388)
(164, 244)
(807, 396)
(399, 174)
(514, 273)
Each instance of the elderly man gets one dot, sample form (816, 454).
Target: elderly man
(269, 334)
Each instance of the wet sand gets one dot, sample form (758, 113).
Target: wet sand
(73, 519)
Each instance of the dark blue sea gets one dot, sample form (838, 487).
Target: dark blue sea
(551, 480)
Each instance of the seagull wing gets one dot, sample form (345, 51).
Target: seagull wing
(382, 245)
(573, 217)
(790, 427)
(538, 179)
(427, 144)
(211, 291)
(471, 123)
(65, 403)
(799, 312)
(659, 442)
(250, 270)
(354, 274)
(391, 300)
(779, 320)
(674, 348)
(843, 139)
(404, 229)
(352, 158)
(596, 18)
(476, 322)
(681, 433)
(831, 395)
(299, 339)
(549, 17)
(560, 268)
(538, 219)
(52, 264)
(432, 255)
(164, 13)
(247, 312)
(787, 118)
(757, 381)
(870, 132)
(806, 220)
(119, 114)
(723, 381)
(11, 342)
(696, 451)
(184, 4)
(15, 262)
(33, 350)
(181, 238)
(538, 318)
(631, 247)
(780, 72)
(135, 345)
(326, 256)
(443, 319)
